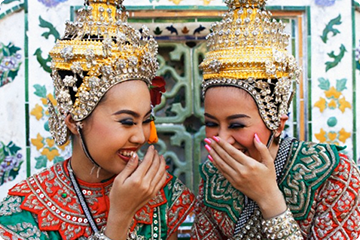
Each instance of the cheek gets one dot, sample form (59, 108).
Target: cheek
(244, 138)
(147, 130)
(210, 132)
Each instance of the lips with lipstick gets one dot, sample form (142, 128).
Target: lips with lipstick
(126, 154)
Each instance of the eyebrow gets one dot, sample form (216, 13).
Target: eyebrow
(235, 116)
(132, 113)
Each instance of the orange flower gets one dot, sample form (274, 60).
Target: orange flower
(44, 101)
(38, 142)
(50, 142)
(332, 93)
(321, 136)
(332, 136)
(344, 104)
(321, 104)
(50, 154)
(332, 104)
(344, 135)
(37, 112)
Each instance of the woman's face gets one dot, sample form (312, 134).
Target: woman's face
(119, 125)
(232, 114)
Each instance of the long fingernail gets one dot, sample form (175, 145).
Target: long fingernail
(208, 141)
(133, 156)
(208, 148)
(257, 138)
(210, 158)
(216, 139)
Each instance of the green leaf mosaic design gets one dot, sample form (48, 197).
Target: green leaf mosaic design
(330, 28)
(9, 1)
(337, 58)
(52, 30)
(45, 62)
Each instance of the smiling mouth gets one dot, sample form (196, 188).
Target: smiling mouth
(126, 155)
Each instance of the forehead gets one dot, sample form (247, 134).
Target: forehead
(128, 93)
(229, 94)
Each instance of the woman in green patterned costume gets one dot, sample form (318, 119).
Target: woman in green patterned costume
(255, 184)
(104, 75)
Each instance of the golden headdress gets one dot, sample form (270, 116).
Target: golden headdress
(98, 50)
(248, 50)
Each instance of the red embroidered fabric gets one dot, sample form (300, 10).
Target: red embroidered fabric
(50, 196)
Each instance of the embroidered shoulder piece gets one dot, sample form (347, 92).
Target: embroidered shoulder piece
(219, 193)
(310, 166)
(51, 198)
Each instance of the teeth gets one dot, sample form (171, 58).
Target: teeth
(127, 153)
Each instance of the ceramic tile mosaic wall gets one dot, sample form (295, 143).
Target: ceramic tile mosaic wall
(323, 40)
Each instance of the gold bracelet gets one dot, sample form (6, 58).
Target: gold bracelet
(283, 226)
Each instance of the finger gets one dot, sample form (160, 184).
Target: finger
(266, 157)
(129, 168)
(153, 168)
(147, 161)
(227, 152)
(160, 178)
(220, 162)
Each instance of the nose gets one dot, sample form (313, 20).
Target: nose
(138, 136)
(226, 135)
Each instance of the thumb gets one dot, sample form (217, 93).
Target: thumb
(264, 151)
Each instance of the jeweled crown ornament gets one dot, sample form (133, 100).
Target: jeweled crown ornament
(98, 50)
(248, 50)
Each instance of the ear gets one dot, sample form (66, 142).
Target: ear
(71, 124)
(281, 128)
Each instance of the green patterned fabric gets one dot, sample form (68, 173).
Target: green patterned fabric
(311, 164)
(306, 169)
(22, 223)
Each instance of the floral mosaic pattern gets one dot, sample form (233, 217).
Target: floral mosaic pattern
(10, 162)
(45, 145)
(10, 61)
(334, 99)
(325, 3)
(51, 3)
(333, 137)
(357, 57)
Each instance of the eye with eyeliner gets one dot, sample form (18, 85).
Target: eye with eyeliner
(148, 120)
(236, 125)
(127, 122)
(130, 122)
(210, 124)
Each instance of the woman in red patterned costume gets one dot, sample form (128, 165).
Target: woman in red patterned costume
(256, 185)
(102, 74)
